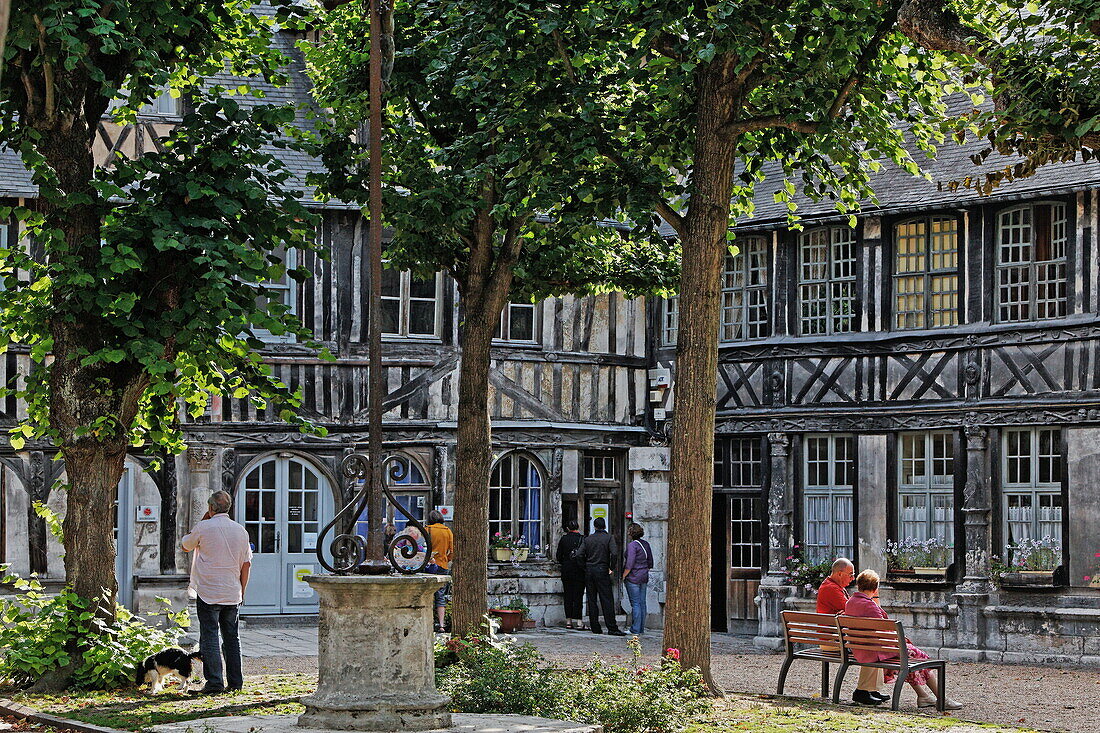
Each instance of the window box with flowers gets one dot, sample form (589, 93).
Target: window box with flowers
(911, 557)
(506, 548)
(1030, 563)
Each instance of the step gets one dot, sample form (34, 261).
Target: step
(273, 620)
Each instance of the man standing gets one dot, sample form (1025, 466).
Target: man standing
(600, 555)
(831, 598)
(219, 576)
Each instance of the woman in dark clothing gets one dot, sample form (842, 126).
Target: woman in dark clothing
(572, 575)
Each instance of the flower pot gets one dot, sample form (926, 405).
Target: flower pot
(929, 571)
(502, 554)
(1036, 572)
(1028, 577)
(528, 623)
(1095, 582)
(510, 621)
(521, 554)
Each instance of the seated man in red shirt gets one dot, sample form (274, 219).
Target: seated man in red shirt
(832, 596)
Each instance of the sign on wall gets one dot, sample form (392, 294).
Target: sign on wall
(301, 588)
(598, 510)
(447, 510)
(148, 513)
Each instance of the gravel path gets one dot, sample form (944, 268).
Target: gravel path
(1047, 698)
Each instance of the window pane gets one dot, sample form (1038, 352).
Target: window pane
(422, 318)
(521, 326)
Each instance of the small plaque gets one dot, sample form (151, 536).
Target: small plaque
(148, 513)
(447, 510)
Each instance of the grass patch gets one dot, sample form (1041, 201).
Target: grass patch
(781, 715)
(129, 709)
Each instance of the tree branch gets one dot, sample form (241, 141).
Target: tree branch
(859, 71)
(560, 45)
(752, 124)
(666, 43)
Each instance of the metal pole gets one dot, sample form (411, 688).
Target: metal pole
(376, 381)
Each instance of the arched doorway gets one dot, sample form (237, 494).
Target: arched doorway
(283, 502)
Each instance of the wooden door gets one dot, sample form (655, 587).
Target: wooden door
(744, 561)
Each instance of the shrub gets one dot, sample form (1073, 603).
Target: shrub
(488, 676)
(805, 573)
(37, 630)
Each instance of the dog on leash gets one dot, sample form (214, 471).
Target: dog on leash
(172, 662)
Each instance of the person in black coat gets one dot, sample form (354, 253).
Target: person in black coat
(600, 554)
(572, 575)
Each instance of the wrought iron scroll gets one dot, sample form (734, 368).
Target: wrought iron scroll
(348, 549)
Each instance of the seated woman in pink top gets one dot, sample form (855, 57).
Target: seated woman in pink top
(864, 603)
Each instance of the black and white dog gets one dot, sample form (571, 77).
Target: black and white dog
(157, 667)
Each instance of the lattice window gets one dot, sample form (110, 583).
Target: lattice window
(670, 320)
(829, 508)
(745, 292)
(1031, 262)
(515, 498)
(1031, 485)
(601, 467)
(410, 305)
(517, 323)
(926, 276)
(926, 494)
(827, 281)
(746, 531)
(738, 463)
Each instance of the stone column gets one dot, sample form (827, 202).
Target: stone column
(376, 666)
(648, 469)
(199, 461)
(977, 500)
(773, 587)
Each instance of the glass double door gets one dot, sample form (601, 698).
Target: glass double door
(283, 503)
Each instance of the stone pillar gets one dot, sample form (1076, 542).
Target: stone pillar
(376, 666)
(199, 461)
(773, 587)
(871, 532)
(972, 594)
(977, 500)
(648, 469)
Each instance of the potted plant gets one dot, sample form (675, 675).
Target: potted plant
(804, 573)
(918, 557)
(502, 546)
(518, 604)
(511, 614)
(520, 550)
(1032, 562)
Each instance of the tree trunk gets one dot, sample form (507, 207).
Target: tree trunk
(687, 611)
(474, 454)
(484, 292)
(94, 472)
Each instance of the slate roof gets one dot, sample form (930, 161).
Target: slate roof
(15, 180)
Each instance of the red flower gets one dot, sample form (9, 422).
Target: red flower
(672, 653)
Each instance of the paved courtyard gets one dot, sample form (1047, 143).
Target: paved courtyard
(1047, 698)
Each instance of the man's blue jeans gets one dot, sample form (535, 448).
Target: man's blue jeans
(636, 593)
(214, 618)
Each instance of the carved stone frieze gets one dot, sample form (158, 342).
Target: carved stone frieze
(200, 459)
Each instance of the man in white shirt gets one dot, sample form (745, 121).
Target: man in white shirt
(219, 575)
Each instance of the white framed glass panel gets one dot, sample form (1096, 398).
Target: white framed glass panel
(1031, 262)
(515, 499)
(746, 531)
(1031, 490)
(745, 292)
(410, 305)
(600, 467)
(926, 493)
(517, 323)
(827, 281)
(670, 320)
(829, 502)
(738, 463)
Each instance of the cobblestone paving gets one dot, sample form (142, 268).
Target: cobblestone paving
(1048, 698)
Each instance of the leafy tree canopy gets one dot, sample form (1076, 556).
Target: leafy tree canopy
(482, 134)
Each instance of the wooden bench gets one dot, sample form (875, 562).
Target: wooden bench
(812, 630)
(883, 636)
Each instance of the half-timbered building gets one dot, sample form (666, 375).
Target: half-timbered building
(928, 375)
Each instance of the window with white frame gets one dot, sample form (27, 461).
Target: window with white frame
(1031, 262)
(738, 463)
(745, 292)
(828, 497)
(670, 319)
(601, 467)
(163, 105)
(926, 273)
(517, 323)
(280, 291)
(926, 486)
(515, 498)
(1031, 486)
(410, 305)
(827, 281)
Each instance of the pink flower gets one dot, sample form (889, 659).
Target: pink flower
(1097, 555)
(672, 653)
(1087, 578)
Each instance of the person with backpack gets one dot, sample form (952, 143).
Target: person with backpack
(572, 574)
(639, 560)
